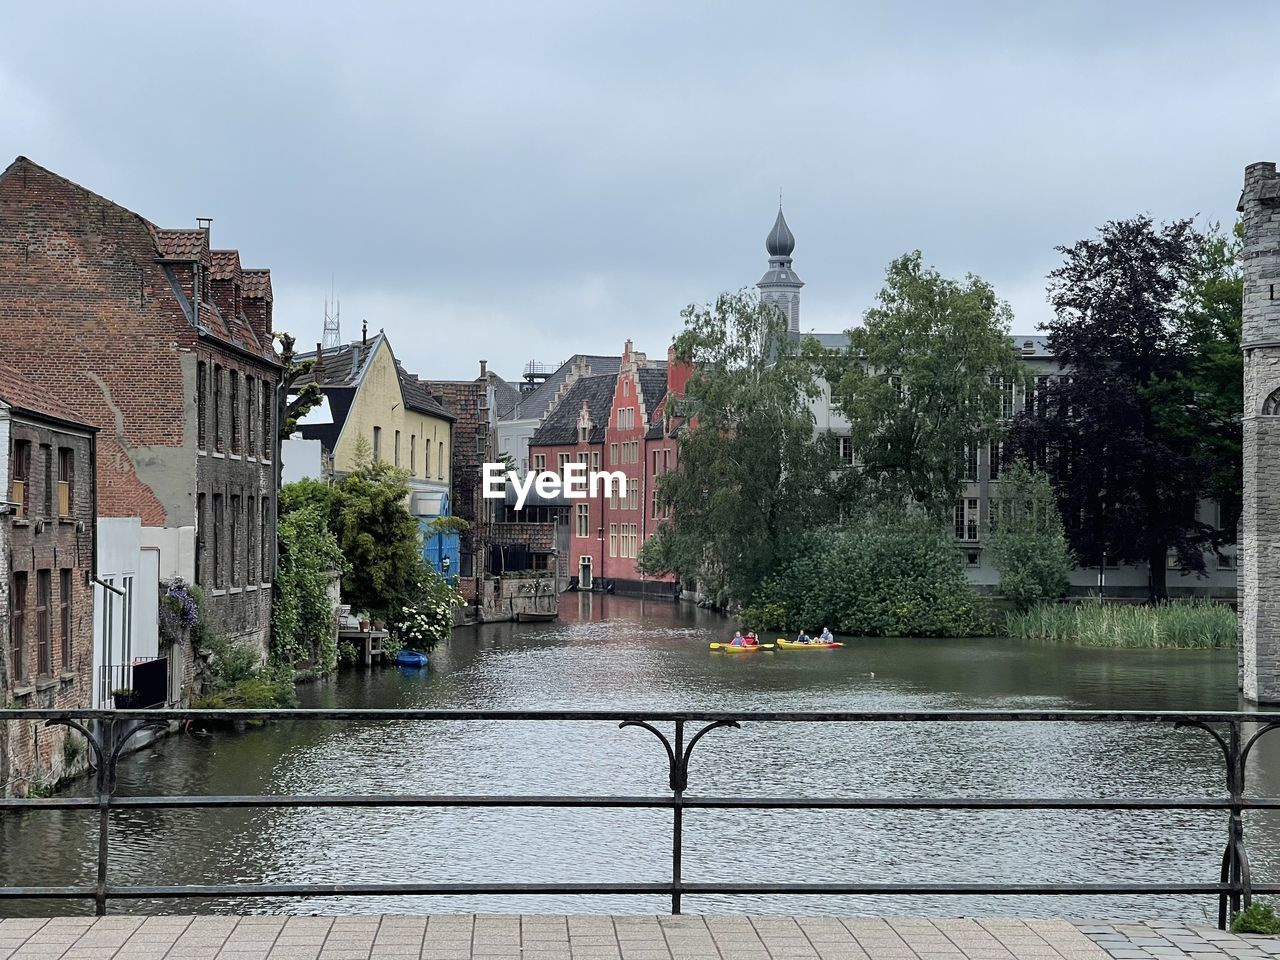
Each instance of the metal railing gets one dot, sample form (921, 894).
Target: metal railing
(109, 731)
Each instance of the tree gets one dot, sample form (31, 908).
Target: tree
(1127, 481)
(290, 411)
(752, 473)
(1027, 543)
(887, 572)
(302, 617)
(924, 378)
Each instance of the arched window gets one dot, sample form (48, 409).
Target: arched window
(1271, 405)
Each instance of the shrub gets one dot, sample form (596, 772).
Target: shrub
(883, 575)
(1027, 543)
(427, 617)
(302, 618)
(1258, 917)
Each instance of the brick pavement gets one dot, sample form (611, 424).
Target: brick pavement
(499, 937)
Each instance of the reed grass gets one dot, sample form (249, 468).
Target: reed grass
(1181, 624)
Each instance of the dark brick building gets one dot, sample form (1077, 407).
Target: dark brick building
(164, 344)
(47, 531)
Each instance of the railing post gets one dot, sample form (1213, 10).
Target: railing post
(1235, 861)
(677, 827)
(105, 783)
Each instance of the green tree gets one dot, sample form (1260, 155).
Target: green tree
(290, 410)
(924, 378)
(1114, 433)
(1027, 543)
(752, 473)
(888, 572)
(303, 615)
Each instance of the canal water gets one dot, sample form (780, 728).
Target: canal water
(613, 653)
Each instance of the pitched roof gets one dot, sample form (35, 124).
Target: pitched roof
(186, 246)
(653, 384)
(225, 266)
(22, 394)
(505, 395)
(256, 283)
(561, 425)
(538, 403)
(341, 366)
(417, 396)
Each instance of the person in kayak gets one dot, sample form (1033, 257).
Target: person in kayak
(826, 636)
(737, 640)
(752, 640)
(803, 637)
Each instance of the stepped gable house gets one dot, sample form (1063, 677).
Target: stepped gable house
(46, 590)
(616, 422)
(164, 344)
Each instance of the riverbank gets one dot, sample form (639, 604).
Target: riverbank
(1179, 624)
(516, 937)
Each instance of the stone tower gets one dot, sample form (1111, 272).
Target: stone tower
(1260, 340)
(780, 285)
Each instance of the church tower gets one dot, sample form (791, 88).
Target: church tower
(1260, 339)
(780, 285)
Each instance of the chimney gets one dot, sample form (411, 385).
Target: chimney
(319, 351)
(484, 372)
(364, 332)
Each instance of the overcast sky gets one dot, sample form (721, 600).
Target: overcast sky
(513, 181)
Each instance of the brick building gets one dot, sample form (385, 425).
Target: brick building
(47, 494)
(165, 345)
(618, 423)
(477, 406)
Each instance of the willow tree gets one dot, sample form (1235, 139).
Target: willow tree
(926, 378)
(753, 473)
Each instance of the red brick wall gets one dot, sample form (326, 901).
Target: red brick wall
(44, 540)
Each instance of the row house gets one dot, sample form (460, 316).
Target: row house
(373, 407)
(619, 423)
(165, 345)
(47, 454)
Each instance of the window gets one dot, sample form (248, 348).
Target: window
(1041, 403)
(973, 558)
(970, 469)
(480, 446)
(396, 452)
(236, 516)
(539, 461)
(657, 511)
(440, 461)
(613, 454)
(995, 459)
(202, 404)
(966, 519)
(268, 437)
(20, 487)
(217, 408)
(584, 520)
(202, 531)
(1225, 561)
(1005, 389)
(64, 618)
(250, 555)
(218, 518)
(250, 411)
(66, 480)
(613, 539)
(44, 652)
(633, 494)
(655, 463)
(413, 454)
(595, 459)
(1271, 406)
(561, 460)
(377, 444)
(584, 432)
(18, 625)
(846, 451)
(235, 412)
(46, 459)
(264, 541)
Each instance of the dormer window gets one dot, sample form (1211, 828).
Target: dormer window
(584, 432)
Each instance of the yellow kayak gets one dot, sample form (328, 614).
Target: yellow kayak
(744, 648)
(814, 645)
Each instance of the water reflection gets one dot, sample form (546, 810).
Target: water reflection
(613, 653)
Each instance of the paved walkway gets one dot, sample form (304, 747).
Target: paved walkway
(495, 937)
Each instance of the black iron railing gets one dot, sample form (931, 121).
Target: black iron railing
(109, 731)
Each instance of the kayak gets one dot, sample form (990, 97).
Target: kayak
(792, 645)
(730, 648)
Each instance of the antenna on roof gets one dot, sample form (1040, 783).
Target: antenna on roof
(332, 326)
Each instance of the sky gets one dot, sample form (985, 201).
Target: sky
(525, 181)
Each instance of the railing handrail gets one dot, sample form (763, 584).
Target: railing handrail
(108, 731)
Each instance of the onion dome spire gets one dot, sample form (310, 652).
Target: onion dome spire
(780, 241)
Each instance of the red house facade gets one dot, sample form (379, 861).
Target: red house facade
(615, 423)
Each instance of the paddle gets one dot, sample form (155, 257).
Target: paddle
(754, 646)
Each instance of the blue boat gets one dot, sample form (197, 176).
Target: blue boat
(411, 658)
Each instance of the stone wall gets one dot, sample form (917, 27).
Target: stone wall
(1260, 340)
